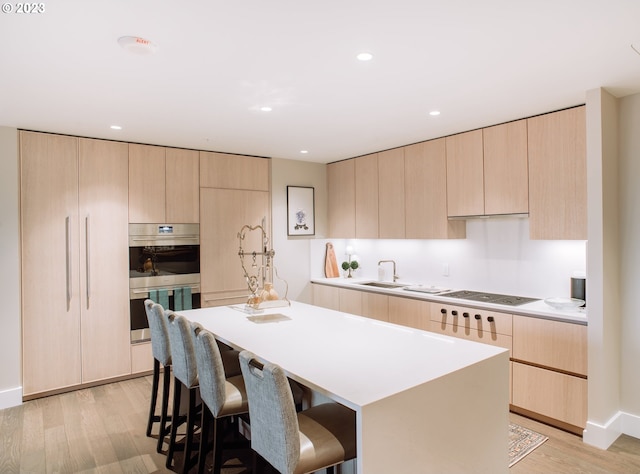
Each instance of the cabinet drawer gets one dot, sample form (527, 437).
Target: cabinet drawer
(480, 321)
(554, 344)
(224, 298)
(559, 396)
(141, 357)
(484, 336)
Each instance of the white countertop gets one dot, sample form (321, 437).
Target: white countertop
(535, 309)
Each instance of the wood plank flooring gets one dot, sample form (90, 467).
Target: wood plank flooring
(102, 430)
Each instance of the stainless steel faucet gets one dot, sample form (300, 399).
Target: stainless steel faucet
(395, 275)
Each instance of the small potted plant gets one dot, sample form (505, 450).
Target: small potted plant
(348, 266)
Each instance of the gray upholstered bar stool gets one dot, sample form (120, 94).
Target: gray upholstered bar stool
(294, 443)
(223, 397)
(161, 350)
(185, 377)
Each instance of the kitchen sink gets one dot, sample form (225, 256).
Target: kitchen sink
(383, 284)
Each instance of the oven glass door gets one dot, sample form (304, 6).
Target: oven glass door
(140, 325)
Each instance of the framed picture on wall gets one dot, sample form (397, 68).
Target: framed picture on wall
(300, 210)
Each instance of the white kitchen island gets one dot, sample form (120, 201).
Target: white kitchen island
(424, 402)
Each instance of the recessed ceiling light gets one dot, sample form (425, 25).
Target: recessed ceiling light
(266, 108)
(365, 56)
(137, 45)
(304, 151)
(434, 113)
(116, 127)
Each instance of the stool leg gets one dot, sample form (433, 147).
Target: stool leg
(204, 438)
(191, 422)
(154, 395)
(175, 417)
(166, 382)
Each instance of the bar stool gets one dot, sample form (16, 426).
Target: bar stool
(185, 377)
(294, 443)
(223, 397)
(161, 350)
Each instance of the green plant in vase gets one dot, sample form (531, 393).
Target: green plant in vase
(348, 266)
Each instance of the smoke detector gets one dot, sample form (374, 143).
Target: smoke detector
(137, 45)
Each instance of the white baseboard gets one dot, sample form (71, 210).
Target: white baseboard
(603, 436)
(10, 398)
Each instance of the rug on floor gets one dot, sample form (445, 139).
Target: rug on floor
(522, 441)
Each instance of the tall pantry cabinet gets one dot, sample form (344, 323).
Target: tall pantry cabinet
(74, 214)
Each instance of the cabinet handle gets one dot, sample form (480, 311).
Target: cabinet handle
(454, 313)
(477, 316)
(465, 315)
(443, 311)
(490, 319)
(87, 238)
(67, 226)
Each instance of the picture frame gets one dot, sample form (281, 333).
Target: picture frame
(301, 210)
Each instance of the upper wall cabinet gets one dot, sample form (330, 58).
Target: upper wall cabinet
(506, 184)
(163, 185)
(342, 199)
(557, 175)
(391, 219)
(425, 188)
(465, 175)
(366, 196)
(225, 171)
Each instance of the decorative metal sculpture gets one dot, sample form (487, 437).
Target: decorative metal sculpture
(259, 270)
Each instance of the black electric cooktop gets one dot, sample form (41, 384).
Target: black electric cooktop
(494, 298)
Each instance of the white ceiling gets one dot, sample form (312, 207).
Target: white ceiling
(217, 62)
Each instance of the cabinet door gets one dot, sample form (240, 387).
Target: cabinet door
(465, 174)
(146, 184)
(182, 186)
(375, 306)
(391, 194)
(326, 296)
(506, 175)
(350, 301)
(409, 312)
(558, 175)
(221, 170)
(104, 270)
(425, 181)
(341, 202)
(224, 213)
(366, 190)
(50, 262)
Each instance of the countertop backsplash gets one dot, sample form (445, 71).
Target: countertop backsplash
(497, 256)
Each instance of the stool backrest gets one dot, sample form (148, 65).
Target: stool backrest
(183, 354)
(274, 422)
(211, 373)
(160, 345)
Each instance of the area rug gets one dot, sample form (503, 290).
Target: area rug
(522, 441)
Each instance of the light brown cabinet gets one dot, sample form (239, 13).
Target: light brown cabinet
(410, 312)
(425, 188)
(550, 370)
(163, 185)
(465, 175)
(341, 201)
(366, 196)
(391, 206)
(75, 313)
(506, 175)
(557, 175)
(234, 192)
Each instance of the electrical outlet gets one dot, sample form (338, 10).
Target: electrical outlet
(445, 269)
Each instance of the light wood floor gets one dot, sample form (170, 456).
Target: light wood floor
(102, 430)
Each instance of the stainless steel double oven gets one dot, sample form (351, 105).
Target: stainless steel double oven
(162, 258)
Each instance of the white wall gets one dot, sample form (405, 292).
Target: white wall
(10, 335)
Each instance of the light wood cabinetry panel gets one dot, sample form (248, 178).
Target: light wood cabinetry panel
(506, 176)
(146, 184)
(375, 306)
(141, 358)
(182, 186)
(465, 174)
(551, 394)
(350, 301)
(557, 175)
(341, 201)
(409, 312)
(103, 211)
(553, 344)
(223, 213)
(391, 210)
(225, 171)
(326, 296)
(51, 356)
(75, 313)
(472, 319)
(425, 187)
(366, 191)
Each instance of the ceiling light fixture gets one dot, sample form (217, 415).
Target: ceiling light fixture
(365, 56)
(266, 108)
(434, 113)
(135, 44)
(116, 127)
(304, 151)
